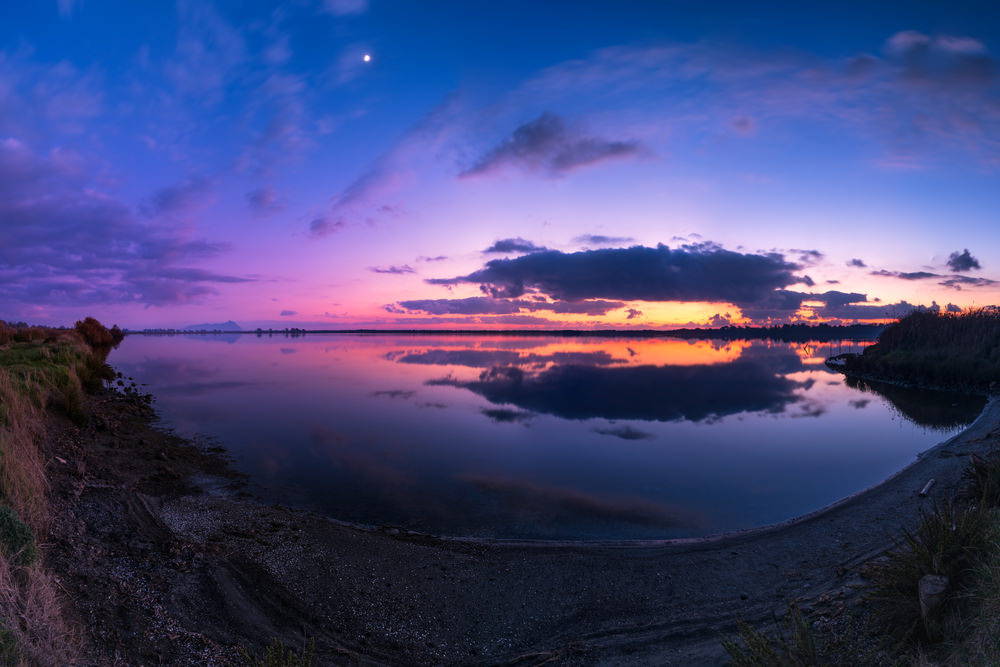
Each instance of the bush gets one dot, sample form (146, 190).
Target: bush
(93, 373)
(27, 334)
(16, 540)
(94, 333)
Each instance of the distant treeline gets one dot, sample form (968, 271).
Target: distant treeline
(943, 350)
(786, 332)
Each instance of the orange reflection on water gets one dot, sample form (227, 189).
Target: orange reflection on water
(620, 351)
(815, 352)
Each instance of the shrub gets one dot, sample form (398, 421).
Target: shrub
(94, 333)
(4, 333)
(27, 334)
(93, 373)
(16, 540)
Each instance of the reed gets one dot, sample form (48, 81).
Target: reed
(948, 350)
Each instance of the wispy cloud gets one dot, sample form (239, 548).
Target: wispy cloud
(67, 243)
(516, 245)
(345, 7)
(191, 194)
(393, 270)
(266, 200)
(602, 240)
(548, 144)
(481, 305)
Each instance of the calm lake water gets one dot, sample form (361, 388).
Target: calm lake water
(540, 437)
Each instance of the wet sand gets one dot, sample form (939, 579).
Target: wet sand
(162, 559)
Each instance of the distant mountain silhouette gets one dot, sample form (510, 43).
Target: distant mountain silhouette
(223, 326)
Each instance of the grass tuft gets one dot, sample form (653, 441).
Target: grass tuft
(795, 643)
(17, 542)
(279, 655)
(950, 541)
(983, 477)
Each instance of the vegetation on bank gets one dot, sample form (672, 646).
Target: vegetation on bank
(40, 368)
(944, 350)
(955, 547)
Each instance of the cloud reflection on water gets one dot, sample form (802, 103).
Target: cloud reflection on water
(755, 382)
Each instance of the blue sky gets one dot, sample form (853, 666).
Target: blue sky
(170, 163)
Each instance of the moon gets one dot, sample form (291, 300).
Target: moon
(367, 58)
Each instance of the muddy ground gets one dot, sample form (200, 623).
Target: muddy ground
(164, 561)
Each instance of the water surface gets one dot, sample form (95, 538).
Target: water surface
(540, 437)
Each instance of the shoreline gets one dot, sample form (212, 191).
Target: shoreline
(137, 538)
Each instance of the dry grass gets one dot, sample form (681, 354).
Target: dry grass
(34, 631)
(39, 369)
(22, 470)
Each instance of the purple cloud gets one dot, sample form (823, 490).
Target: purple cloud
(702, 272)
(482, 305)
(962, 261)
(265, 200)
(191, 194)
(547, 144)
(923, 91)
(743, 125)
(906, 275)
(625, 433)
(857, 263)
(514, 245)
(956, 282)
(941, 59)
(600, 239)
(208, 55)
(393, 270)
(66, 243)
(288, 313)
(324, 226)
(345, 7)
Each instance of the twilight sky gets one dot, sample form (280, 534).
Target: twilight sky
(509, 164)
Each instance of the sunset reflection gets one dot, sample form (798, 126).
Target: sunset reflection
(542, 437)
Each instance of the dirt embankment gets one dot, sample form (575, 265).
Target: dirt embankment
(164, 562)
